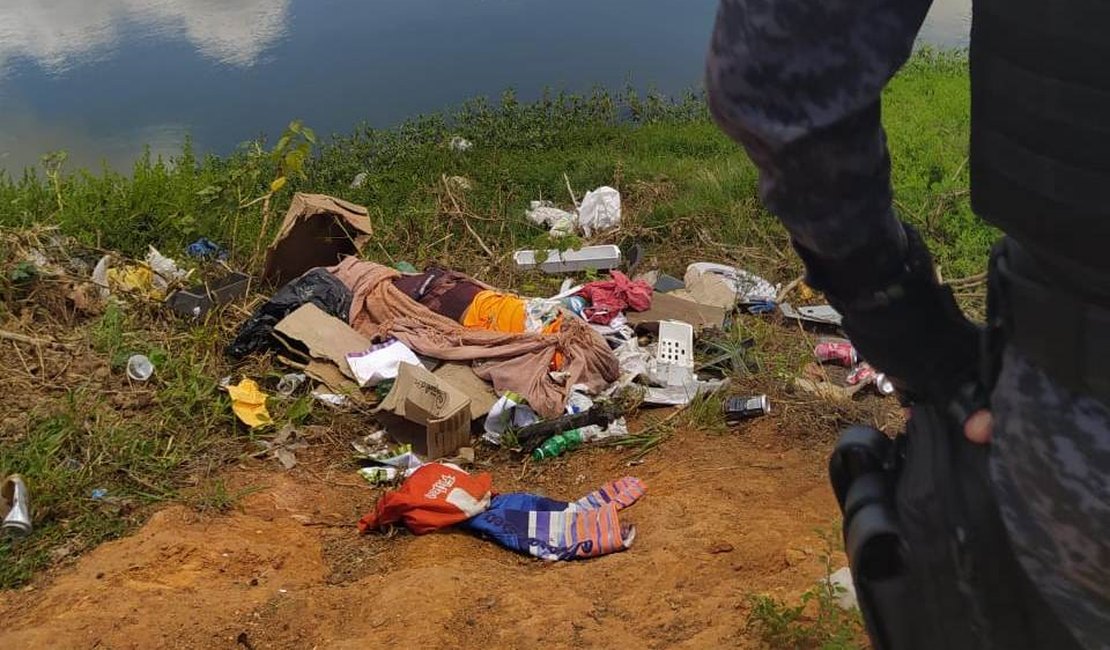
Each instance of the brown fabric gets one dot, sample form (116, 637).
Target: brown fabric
(447, 293)
(516, 362)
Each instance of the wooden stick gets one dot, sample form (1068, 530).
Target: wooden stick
(22, 338)
(481, 243)
(793, 284)
(572, 199)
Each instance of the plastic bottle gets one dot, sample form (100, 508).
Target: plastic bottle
(558, 445)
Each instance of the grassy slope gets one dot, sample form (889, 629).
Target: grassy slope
(690, 194)
(520, 153)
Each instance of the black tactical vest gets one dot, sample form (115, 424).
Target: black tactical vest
(1040, 130)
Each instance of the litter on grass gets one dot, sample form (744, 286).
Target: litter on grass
(249, 403)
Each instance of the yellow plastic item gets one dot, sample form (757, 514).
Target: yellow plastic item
(249, 403)
(135, 279)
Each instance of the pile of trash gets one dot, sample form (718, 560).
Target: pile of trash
(433, 358)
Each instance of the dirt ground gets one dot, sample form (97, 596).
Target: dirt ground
(726, 516)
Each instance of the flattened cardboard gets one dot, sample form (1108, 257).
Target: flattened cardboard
(318, 230)
(326, 337)
(426, 412)
(667, 306)
(462, 376)
(328, 375)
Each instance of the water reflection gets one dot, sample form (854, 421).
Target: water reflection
(58, 34)
(104, 78)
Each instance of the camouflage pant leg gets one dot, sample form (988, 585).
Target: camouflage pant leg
(1050, 464)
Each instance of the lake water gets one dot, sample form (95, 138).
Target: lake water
(103, 78)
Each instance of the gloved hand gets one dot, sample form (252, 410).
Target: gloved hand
(907, 325)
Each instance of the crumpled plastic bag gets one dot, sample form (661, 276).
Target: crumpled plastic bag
(509, 412)
(559, 222)
(316, 286)
(600, 210)
(165, 269)
(436, 496)
(134, 279)
(381, 362)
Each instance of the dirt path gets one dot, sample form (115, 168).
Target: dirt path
(725, 516)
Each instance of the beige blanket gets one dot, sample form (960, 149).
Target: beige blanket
(512, 362)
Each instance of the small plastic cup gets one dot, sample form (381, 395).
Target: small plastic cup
(139, 367)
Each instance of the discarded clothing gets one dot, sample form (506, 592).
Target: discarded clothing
(496, 312)
(380, 362)
(447, 293)
(511, 362)
(317, 286)
(556, 530)
(509, 313)
(248, 402)
(609, 298)
(436, 496)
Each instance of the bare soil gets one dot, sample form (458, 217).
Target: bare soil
(726, 516)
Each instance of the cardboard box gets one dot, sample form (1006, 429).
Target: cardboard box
(318, 230)
(324, 337)
(426, 412)
(461, 376)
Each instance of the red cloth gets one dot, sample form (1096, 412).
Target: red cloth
(611, 297)
(434, 497)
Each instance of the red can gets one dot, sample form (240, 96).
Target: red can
(836, 351)
(861, 374)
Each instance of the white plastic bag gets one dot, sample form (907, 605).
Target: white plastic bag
(380, 362)
(600, 210)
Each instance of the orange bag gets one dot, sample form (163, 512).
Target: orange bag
(436, 496)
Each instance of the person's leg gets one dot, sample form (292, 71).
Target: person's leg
(1050, 466)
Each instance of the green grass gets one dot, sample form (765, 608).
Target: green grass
(689, 194)
(815, 621)
(678, 173)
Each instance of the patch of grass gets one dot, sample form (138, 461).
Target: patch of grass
(218, 498)
(136, 443)
(814, 622)
(704, 413)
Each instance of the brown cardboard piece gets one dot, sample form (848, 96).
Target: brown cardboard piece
(318, 230)
(461, 376)
(326, 337)
(426, 412)
(667, 306)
